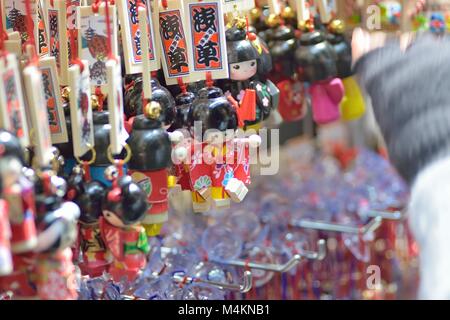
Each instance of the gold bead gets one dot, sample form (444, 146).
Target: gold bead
(94, 102)
(305, 25)
(65, 93)
(255, 14)
(241, 23)
(288, 13)
(152, 110)
(273, 20)
(337, 26)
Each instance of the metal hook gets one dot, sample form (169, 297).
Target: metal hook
(369, 227)
(246, 286)
(385, 215)
(281, 268)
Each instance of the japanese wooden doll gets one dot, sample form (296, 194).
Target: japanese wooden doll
(316, 63)
(133, 100)
(18, 193)
(352, 106)
(124, 208)
(213, 154)
(89, 196)
(102, 141)
(54, 271)
(151, 147)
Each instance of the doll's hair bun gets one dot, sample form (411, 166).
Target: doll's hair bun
(235, 34)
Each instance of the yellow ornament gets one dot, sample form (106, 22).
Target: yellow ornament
(288, 13)
(352, 105)
(273, 20)
(337, 26)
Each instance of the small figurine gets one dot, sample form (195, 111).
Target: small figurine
(316, 64)
(352, 105)
(54, 270)
(124, 207)
(151, 149)
(218, 171)
(133, 100)
(102, 141)
(89, 196)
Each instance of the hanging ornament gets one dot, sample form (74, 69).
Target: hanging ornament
(316, 64)
(151, 156)
(124, 207)
(352, 105)
(54, 270)
(19, 195)
(89, 196)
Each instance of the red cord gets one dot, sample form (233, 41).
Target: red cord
(34, 59)
(99, 94)
(209, 81)
(87, 171)
(182, 85)
(164, 4)
(74, 49)
(108, 30)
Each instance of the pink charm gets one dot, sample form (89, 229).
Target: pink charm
(325, 99)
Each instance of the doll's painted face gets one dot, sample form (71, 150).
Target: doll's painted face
(113, 219)
(243, 70)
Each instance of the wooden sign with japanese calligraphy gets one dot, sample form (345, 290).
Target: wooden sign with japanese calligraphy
(15, 17)
(131, 36)
(173, 42)
(238, 5)
(39, 116)
(57, 34)
(93, 41)
(80, 109)
(207, 46)
(12, 107)
(42, 36)
(52, 96)
(118, 135)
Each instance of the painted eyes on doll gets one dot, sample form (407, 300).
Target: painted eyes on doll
(243, 70)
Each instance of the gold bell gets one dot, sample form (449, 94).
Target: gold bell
(273, 20)
(94, 102)
(288, 13)
(337, 26)
(306, 25)
(255, 14)
(65, 93)
(152, 110)
(241, 23)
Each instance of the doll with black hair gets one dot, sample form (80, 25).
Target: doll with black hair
(89, 196)
(133, 100)
(18, 192)
(213, 179)
(124, 207)
(243, 65)
(151, 148)
(316, 64)
(57, 231)
(293, 105)
(352, 105)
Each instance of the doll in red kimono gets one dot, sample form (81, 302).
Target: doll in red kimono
(213, 152)
(54, 272)
(89, 196)
(124, 207)
(18, 193)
